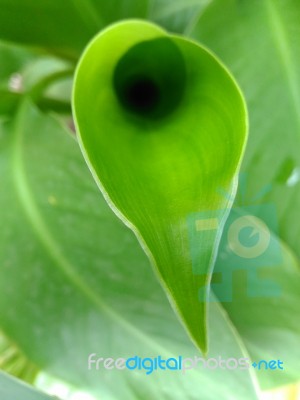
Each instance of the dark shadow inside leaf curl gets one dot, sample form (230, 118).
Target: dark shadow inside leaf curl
(150, 79)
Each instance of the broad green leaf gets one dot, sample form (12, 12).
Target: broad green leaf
(162, 124)
(260, 42)
(62, 26)
(13, 389)
(270, 326)
(74, 280)
(263, 303)
(262, 49)
(65, 27)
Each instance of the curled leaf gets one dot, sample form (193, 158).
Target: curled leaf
(163, 126)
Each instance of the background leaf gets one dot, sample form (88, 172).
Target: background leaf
(260, 42)
(46, 79)
(264, 307)
(66, 27)
(13, 60)
(262, 49)
(176, 16)
(80, 283)
(59, 26)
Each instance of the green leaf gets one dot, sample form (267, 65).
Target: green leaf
(74, 281)
(263, 302)
(178, 15)
(8, 101)
(265, 62)
(66, 27)
(269, 326)
(12, 389)
(58, 25)
(63, 27)
(262, 49)
(158, 158)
